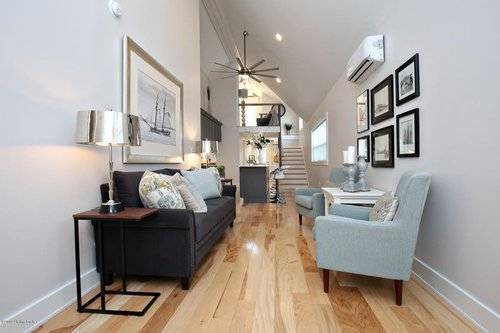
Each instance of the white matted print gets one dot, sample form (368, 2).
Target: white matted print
(407, 81)
(155, 96)
(408, 135)
(362, 119)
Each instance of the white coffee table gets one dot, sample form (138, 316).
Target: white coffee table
(335, 195)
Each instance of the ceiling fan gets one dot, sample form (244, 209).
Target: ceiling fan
(253, 72)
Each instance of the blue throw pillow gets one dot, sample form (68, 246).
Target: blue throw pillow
(204, 181)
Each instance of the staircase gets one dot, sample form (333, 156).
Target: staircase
(296, 174)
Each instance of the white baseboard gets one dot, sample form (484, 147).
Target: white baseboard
(49, 305)
(469, 306)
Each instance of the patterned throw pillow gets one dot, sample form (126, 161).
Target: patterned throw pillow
(384, 209)
(192, 198)
(157, 191)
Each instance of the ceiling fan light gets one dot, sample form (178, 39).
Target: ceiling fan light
(278, 80)
(278, 37)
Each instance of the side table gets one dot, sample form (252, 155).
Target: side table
(227, 181)
(335, 195)
(128, 215)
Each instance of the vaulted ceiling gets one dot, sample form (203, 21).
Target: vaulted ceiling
(319, 36)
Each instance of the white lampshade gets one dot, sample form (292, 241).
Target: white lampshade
(209, 147)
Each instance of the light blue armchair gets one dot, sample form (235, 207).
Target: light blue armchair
(310, 202)
(348, 242)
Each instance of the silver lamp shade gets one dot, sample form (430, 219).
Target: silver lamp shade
(108, 128)
(209, 147)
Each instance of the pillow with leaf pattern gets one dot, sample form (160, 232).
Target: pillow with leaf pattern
(384, 209)
(157, 191)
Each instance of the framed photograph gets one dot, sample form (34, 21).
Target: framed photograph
(362, 119)
(407, 81)
(363, 147)
(382, 101)
(408, 134)
(383, 147)
(156, 96)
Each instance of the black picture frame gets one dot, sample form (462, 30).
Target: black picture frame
(368, 148)
(416, 131)
(389, 131)
(367, 104)
(415, 80)
(387, 82)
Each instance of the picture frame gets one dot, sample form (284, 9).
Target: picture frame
(408, 134)
(363, 112)
(155, 95)
(383, 147)
(366, 145)
(382, 101)
(408, 80)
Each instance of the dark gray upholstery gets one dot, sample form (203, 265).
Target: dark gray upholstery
(171, 243)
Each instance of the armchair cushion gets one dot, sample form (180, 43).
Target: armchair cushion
(304, 201)
(353, 212)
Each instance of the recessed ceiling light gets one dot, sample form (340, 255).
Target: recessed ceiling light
(278, 37)
(278, 80)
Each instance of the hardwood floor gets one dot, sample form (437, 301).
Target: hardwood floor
(262, 277)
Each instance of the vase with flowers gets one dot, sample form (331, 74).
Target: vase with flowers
(260, 142)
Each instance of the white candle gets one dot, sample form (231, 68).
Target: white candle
(345, 156)
(351, 154)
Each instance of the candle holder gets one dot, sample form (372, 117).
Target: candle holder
(362, 183)
(350, 172)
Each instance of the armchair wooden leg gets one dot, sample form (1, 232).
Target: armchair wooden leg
(398, 288)
(326, 280)
(300, 219)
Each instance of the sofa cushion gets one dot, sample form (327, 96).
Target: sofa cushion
(127, 185)
(217, 209)
(205, 181)
(304, 201)
(192, 198)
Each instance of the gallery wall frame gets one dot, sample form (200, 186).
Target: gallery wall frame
(382, 101)
(155, 95)
(368, 148)
(382, 144)
(407, 78)
(363, 112)
(408, 134)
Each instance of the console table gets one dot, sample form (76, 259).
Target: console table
(335, 195)
(128, 215)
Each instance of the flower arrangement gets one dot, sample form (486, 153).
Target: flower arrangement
(258, 142)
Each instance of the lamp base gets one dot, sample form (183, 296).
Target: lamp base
(111, 207)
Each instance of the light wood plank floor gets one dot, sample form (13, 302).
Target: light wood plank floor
(262, 277)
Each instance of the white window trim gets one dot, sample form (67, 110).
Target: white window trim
(319, 122)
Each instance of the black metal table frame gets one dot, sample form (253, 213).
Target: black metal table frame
(103, 292)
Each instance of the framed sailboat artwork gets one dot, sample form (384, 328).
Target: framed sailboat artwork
(155, 95)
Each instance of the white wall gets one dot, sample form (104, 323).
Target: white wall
(59, 57)
(458, 248)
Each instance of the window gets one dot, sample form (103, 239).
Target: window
(319, 143)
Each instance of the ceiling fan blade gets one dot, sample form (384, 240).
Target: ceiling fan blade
(266, 69)
(257, 64)
(231, 68)
(234, 72)
(266, 75)
(240, 63)
(255, 78)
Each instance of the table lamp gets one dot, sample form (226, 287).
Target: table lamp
(108, 128)
(208, 148)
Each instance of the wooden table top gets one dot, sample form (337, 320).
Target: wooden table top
(129, 214)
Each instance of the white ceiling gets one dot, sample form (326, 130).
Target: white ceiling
(319, 36)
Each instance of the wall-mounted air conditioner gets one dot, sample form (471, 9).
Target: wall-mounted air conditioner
(367, 58)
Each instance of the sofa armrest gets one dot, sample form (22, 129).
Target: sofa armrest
(171, 218)
(229, 190)
(307, 191)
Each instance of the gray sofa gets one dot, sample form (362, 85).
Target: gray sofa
(173, 242)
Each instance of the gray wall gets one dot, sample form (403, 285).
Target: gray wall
(59, 57)
(458, 248)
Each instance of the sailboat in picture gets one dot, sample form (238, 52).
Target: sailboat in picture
(160, 120)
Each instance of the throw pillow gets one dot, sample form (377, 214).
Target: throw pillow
(217, 178)
(192, 198)
(384, 209)
(156, 191)
(204, 181)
